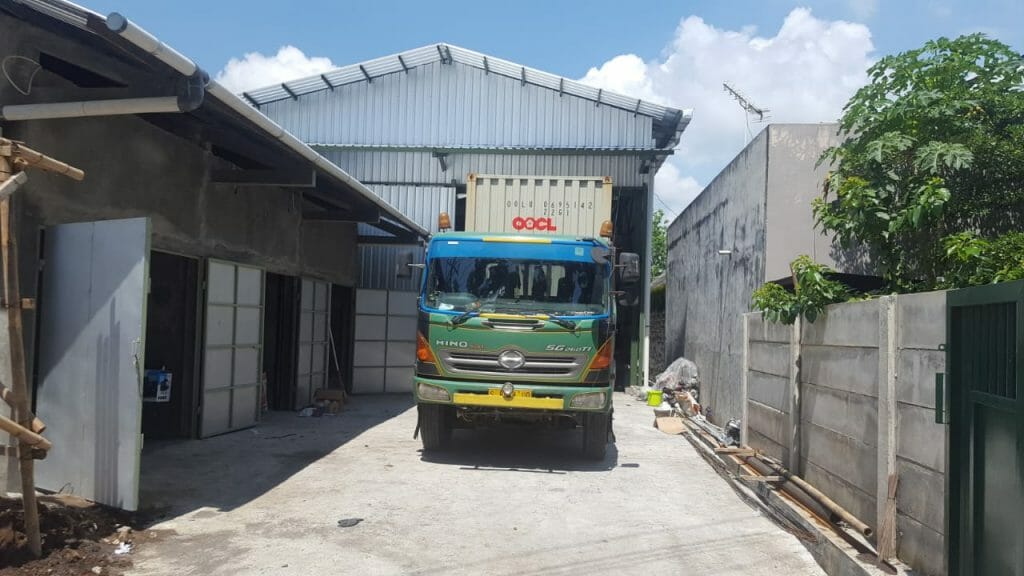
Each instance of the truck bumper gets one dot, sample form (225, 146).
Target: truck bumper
(488, 394)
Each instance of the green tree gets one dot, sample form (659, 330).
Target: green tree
(932, 150)
(659, 243)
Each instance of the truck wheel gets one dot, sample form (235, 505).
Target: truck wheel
(435, 425)
(595, 435)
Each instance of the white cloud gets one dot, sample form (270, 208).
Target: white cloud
(804, 73)
(675, 190)
(254, 70)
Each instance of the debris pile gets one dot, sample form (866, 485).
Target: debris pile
(78, 537)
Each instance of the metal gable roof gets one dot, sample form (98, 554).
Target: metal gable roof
(228, 108)
(669, 123)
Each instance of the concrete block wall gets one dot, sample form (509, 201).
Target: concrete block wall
(768, 392)
(920, 441)
(862, 379)
(839, 405)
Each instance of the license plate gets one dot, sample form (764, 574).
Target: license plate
(518, 393)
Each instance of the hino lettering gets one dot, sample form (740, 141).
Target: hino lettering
(452, 343)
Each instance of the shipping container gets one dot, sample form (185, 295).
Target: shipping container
(574, 206)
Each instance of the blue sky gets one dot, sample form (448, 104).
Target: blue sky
(801, 63)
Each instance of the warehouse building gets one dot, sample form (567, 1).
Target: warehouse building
(743, 230)
(205, 244)
(415, 126)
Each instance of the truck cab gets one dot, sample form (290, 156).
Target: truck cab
(517, 329)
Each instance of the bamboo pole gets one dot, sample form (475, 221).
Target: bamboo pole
(23, 434)
(26, 157)
(19, 383)
(38, 426)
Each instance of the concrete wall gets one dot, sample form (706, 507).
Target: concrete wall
(863, 376)
(793, 181)
(706, 293)
(839, 405)
(920, 441)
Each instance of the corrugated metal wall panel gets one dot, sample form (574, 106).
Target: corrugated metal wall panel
(420, 203)
(393, 166)
(379, 265)
(454, 104)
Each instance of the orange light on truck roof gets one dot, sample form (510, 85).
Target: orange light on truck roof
(606, 229)
(444, 222)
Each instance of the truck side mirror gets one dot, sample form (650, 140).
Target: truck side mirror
(629, 267)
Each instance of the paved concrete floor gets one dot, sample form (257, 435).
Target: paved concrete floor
(268, 501)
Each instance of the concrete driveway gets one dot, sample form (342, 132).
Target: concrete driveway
(268, 501)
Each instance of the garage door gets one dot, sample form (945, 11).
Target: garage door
(385, 341)
(232, 347)
(314, 310)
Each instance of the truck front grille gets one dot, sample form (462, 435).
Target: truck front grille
(486, 363)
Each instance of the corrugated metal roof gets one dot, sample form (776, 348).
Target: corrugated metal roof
(457, 106)
(668, 123)
(421, 167)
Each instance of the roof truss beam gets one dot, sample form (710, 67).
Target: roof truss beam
(365, 215)
(328, 82)
(277, 178)
(369, 79)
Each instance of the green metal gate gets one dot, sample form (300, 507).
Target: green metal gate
(985, 362)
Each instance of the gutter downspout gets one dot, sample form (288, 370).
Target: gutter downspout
(190, 97)
(144, 40)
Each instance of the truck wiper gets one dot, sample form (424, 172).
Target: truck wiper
(464, 317)
(567, 324)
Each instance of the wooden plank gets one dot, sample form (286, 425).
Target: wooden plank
(670, 424)
(736, 450)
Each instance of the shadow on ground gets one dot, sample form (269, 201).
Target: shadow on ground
(230, 470)
(521, 449)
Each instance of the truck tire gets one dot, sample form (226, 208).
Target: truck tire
(435, 426)
(595, 435)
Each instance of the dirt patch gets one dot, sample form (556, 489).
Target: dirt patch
(78, 536)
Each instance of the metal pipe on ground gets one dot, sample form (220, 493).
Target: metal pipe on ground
(836, 512)
(789, 488)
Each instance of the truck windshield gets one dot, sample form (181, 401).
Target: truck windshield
(517, 286)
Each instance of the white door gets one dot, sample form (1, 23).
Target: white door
(314, 315)
(232, 347)
(91, 330)
(385, 341)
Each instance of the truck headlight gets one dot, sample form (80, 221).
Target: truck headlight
(434, 393)
(590, 400)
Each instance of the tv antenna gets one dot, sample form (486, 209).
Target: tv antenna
(750, 109)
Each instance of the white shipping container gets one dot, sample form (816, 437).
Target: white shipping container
(575, 206)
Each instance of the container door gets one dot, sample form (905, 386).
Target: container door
(314, 347)
(232, 347)
(985, 357)
(91, 328)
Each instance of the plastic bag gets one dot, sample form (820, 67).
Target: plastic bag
(679, 375)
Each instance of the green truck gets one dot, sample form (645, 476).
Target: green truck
(518, 328)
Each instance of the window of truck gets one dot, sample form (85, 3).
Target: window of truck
(517, 286)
